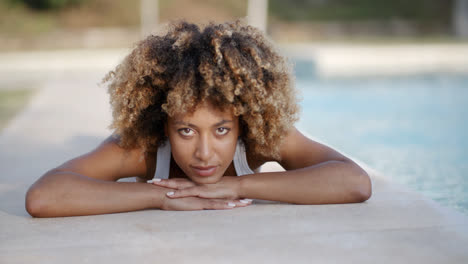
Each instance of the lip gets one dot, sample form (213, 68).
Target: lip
(204, 171)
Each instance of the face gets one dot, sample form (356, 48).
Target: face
(203, 142)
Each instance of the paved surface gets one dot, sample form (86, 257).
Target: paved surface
(69, 116)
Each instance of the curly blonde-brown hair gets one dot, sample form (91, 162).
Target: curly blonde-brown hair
(231, 65)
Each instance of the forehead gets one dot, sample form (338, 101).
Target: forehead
(206, 112)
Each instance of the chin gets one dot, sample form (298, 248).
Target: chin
(206, 180)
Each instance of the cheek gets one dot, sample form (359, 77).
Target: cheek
(226, 150)
(229, 146)
(181, 151)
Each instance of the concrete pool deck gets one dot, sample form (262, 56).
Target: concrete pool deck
(68, 116)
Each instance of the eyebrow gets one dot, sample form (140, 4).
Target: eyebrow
(222, 122)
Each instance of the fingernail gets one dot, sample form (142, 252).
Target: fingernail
(231, 204)
(244, 201)
(170, 193)
(154, 180)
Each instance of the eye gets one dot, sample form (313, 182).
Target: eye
(222, 131)
(186, 132)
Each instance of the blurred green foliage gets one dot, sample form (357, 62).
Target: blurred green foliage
(36, 17)
(345, 10)
(18, 19)
(47, 4)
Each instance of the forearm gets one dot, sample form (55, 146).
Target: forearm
(326, 183)
(64, 194)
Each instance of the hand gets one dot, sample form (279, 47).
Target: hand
(195, 203)
(226, 188)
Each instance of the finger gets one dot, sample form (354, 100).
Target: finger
(222, 204)
(218, 204)
(187, 192)
(162, 182)
(243, 202)
(172, 183)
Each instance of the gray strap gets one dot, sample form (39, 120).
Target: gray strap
(163, 161)
(240, 160)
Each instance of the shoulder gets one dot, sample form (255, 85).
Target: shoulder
(109, 161)
(299, 151)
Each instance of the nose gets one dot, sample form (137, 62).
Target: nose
(204, 149)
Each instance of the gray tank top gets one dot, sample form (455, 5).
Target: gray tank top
(163, 161)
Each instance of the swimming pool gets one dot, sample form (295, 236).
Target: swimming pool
(412, 128)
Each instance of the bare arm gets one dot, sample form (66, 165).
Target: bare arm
(316, 174)
(87, 185)
(64, 193)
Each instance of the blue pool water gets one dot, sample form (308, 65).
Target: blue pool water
(413, 129)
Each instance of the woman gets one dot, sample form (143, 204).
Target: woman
(196, 108)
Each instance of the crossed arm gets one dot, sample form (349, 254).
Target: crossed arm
(315, 174)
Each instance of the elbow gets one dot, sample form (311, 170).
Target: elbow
(39, 200)
(363, 188)
(34, 203)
